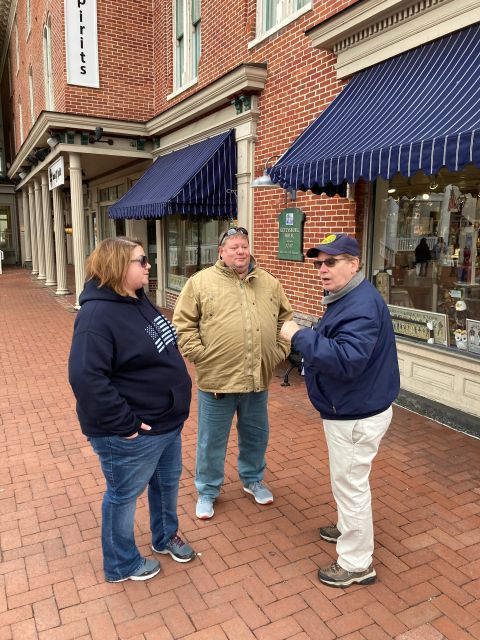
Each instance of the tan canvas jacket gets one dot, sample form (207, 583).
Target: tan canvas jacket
(229, 328)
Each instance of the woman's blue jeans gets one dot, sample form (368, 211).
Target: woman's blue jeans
(129, 466)
(214, 423)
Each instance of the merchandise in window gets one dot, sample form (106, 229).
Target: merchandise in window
(192, 245)
(426, 256)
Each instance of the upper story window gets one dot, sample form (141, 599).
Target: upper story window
(29, 17)
(17, 52)
(274, 14)
(47, 65)
(30, 94)
(187, 41)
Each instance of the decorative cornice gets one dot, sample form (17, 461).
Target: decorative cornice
(247, 78)
(372, 31)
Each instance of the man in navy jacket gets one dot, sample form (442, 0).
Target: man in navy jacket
(352, 378)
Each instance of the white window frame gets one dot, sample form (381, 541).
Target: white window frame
(30, 94)
(286, 11)
(47, 65)
(28, 10)
(20, 120)
(186, 44)
(17, 47)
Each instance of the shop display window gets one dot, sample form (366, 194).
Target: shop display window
(192, 245)
(426, 256)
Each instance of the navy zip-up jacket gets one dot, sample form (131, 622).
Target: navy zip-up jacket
(350, 358)
(125, 367)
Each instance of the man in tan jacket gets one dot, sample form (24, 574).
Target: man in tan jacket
(228, 319)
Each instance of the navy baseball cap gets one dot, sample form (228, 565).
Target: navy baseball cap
(335, 244)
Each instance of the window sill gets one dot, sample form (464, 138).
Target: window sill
(183, 88)
(263, 36)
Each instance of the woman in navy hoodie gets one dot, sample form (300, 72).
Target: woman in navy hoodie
(133, 395)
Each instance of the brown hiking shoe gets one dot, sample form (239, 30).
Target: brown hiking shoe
(330, 533)
(336, 576)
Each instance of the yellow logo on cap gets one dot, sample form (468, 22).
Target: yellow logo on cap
(331, 238)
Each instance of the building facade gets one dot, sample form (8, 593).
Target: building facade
(101, 102)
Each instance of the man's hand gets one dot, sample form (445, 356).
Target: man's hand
(135, 435)
(289, 329)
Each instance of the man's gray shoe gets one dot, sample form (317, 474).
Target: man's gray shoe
(336, 576)
(260, 492)
(178, 549)
(147, 570)
(330, 533)
(204, 509)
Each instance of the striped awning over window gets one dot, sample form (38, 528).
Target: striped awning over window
(197, 180)
(416, 111)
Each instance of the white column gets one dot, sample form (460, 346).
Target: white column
(78, 223)
(33, 228)
(48, 232)
(60, 246)
(40, 233)
(26, 227)
(245, 136)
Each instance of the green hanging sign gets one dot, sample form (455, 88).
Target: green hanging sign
(290, 234)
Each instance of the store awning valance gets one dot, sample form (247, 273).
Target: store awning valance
(198, 180)
(416, 111)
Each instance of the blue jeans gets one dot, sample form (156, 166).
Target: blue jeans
(214, 423)
(129, 466)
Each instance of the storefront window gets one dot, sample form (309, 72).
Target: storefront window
(192, 245)
(426, 256)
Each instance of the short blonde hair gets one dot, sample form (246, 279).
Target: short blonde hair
(109, 261)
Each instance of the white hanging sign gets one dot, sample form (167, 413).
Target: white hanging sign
(56, 174)
(81, 42)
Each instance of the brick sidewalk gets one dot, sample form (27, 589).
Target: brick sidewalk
(256, 575)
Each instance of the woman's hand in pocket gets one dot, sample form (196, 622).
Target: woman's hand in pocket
(143, 426)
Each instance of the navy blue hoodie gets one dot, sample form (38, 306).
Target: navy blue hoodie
(125, 367)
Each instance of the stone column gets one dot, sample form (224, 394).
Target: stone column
(40, 234)
(78, 223)
(60, 246)
(33, 228)
(26, 228)
(48, 232)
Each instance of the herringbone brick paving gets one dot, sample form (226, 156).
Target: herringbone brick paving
(255, 577)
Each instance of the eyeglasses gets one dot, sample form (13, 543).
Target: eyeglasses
(328, 262)
(233, 231)
(142, 260)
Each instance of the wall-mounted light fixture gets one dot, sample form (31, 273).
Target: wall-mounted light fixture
(42, 153)
(264, 180)
(55, 139)
(22, 174)
(33, 160)
(97, 137)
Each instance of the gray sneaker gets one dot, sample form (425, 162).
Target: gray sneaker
(204, 509)
(147, 570)
(330, 533)
(260, 492)
(336, 576)
(178, 549)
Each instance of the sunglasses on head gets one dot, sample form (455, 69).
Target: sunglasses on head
(233, 231)
(328, 262)
(142, 260)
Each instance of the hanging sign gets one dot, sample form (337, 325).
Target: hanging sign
(56, 173)
(81, 42)
(290, 234)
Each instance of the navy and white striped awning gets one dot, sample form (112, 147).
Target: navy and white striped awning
(198, 180)
(416, 111)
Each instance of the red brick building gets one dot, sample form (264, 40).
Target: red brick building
(94, 91)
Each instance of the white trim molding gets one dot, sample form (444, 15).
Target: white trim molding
(372, 31)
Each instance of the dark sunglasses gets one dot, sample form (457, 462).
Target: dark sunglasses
(143, 260)
(233, 231)
(328, 262)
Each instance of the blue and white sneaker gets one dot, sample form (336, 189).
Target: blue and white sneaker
(204, 509)
(178, 549)
(260, 492)
(147, 570)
